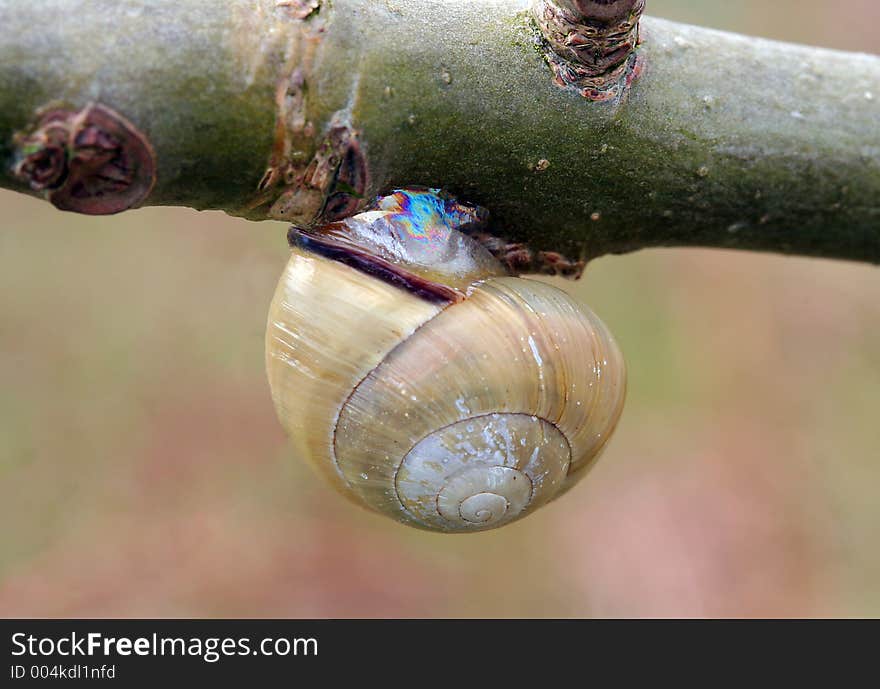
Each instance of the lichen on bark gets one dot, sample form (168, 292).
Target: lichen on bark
(723, 140)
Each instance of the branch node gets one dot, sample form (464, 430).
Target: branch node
(591, 45)
(93, 161)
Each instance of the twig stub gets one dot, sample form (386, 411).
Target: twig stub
(591, 44)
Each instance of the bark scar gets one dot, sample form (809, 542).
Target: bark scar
(519, 259)
(329, 187)
(299, 9)
(310, 178)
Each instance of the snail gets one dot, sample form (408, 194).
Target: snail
(424, 380)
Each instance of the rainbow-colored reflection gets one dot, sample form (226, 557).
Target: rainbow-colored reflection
(416, 238)
(427, 216)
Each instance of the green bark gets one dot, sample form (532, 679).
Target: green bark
(724, 140)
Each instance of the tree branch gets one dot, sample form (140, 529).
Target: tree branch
(721, 141)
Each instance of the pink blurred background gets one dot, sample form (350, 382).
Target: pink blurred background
(143, 473)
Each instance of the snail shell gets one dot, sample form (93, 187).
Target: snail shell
(453, 406)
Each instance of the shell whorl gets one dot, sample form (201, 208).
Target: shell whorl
(482, 472)
(450, 418)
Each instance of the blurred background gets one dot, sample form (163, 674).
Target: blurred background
(143, 473)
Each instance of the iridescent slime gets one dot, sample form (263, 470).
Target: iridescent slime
(414, 238)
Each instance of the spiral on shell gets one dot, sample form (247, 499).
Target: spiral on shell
(451, 416)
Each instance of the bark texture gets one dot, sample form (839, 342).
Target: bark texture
(723, 140)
